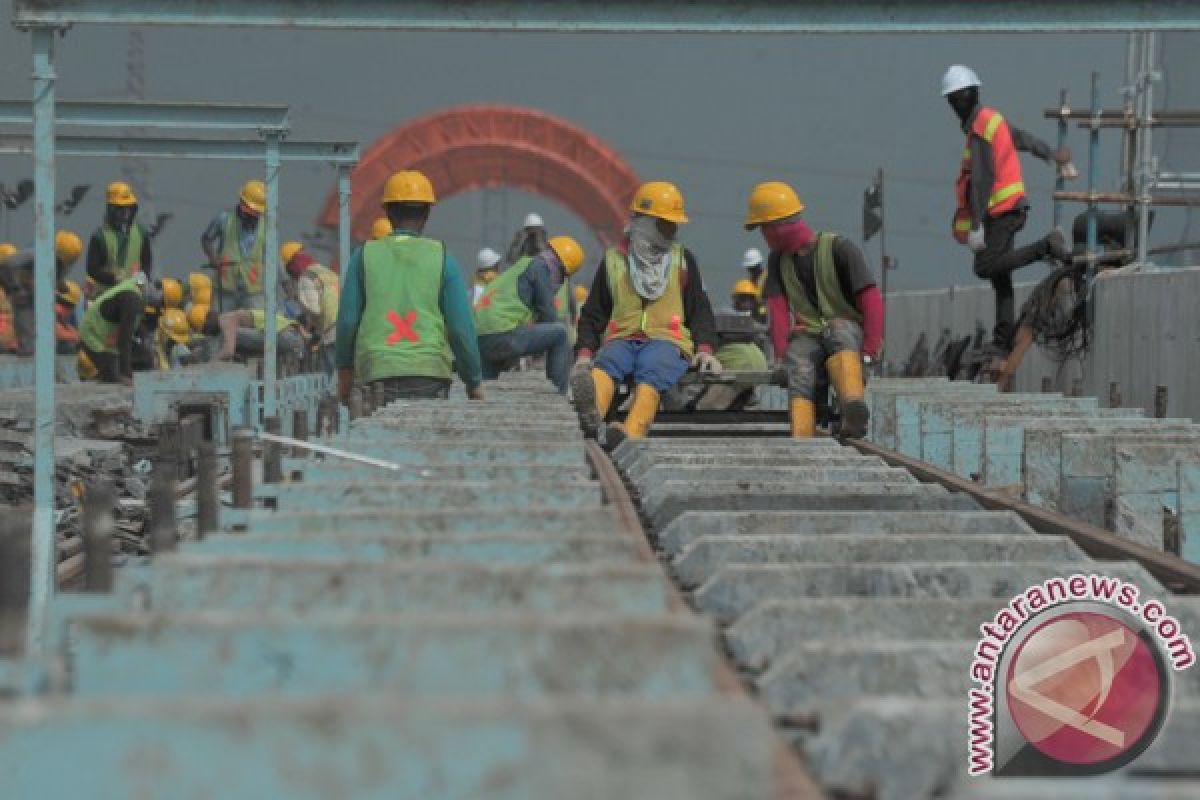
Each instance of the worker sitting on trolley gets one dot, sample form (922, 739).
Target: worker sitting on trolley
(516, 316)
(825, 310)
(243, 335)
(646, 318)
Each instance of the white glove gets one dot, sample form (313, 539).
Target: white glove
(976, 240)
(1067, 171)
(707, 362)
(583, 364)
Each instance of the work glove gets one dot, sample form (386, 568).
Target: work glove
(976, 240)
(345, 384)
(1067, 171)
(476, 392)
(707, 362)
(583, 364)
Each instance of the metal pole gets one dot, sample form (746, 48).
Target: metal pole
(15, 571)
(271, 279)
(98, 527)
(1146, 169)
(162, 533)
(272, 453)
(300, 429)
(1093, 173)
(44, 552)
(343, 217)
(356, 402)
(883, 256)
(1060, 183)
(1114, 395)
(207, 502)
(243, 467)
(1160, 402)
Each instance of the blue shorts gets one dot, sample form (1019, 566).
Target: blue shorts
(656, 363)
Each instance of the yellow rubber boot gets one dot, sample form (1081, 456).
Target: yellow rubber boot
(605, 388)
(638, 420)
(803, 416)
(593, 394)
(846, 375)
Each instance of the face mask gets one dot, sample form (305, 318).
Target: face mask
(789, 237)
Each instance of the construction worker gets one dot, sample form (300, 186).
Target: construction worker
(529, 240)
(318, 293)
(120, 246)
(487, 266)
(106, 336)
(752, 262)
(244, 331)
(826, 312)
(517, 316)
(738, 352)
(234, 243)
(380, 228)
(16, 278)
(646, 317)
(8, 334)
(172, 340)
(990, 195)
(403, 301)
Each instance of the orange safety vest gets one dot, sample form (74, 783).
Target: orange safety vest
(1008, 190)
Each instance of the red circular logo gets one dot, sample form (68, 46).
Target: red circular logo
(1085, 689)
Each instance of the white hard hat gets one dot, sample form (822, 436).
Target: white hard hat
(533, 220)
(752, 258)
(959, 77)
(488, 258)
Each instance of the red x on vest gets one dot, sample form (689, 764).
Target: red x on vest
(486, 300)
(403, 327)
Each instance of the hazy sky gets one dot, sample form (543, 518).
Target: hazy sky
(713, 113)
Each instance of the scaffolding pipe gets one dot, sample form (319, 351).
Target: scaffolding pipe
(1093, 175)
(1146, 175)
(1060, 182)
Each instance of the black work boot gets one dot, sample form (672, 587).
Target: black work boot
(583, 395)
(1055, 245)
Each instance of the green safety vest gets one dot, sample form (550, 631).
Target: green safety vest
(742, 357)
(236, 271)
(123, 262)
(662, 319)
(402, 332)
(282, 323)
(95, 332)
(831, 304)
(500, 308)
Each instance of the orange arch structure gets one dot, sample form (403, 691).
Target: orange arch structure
(468, 148)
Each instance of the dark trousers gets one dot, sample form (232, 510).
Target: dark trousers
(107, 365)
(998, 260)
(413, 387)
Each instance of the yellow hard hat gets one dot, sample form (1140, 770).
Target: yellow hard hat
(7, 251)
(771, 201)
(67, 247)
(659, 199)
(84, 366)
(172, 291)
(120, 194)
(381, 227)
(745, 286)
(288, 252)
(197, 315)
(70, 293)
(569, 253)
(198, 283)
(408, 186)
(174, 323)
(254, 196)
(581, 295)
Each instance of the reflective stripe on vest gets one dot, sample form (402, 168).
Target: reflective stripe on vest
(98, 334)
(1008, 187)
(282, 323)
(662, 319)
(500, 309)
(402, 332)
(236, 271)
(831, 303)
(122, 262)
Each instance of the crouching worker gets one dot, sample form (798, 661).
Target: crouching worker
(244, 332)
(646, 318)
(106, 334)
(737, 352)
(173, 341)
(516, 316)
(825, 310)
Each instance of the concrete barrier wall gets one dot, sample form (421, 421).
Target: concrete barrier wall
(1146, 333)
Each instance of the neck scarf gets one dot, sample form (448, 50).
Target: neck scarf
(649, 258)
(788, 237)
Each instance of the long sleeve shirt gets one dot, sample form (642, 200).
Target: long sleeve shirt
(697, 311)
(124, 310)
(454, 302)
(983, 173)
(101, 271)
(537, 286)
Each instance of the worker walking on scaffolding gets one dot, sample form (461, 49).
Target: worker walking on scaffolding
(990, 195)
(826, 313)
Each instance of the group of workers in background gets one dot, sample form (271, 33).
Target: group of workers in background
(402, 315)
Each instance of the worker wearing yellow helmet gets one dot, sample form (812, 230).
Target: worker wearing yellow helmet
(235, 244)
(172, 340)
(826, 313)
(66, 333)
(517, 316)
(646, 318)
(318, 292)
(8, 335)
(405, 321)
(120, 246)
(16, 279)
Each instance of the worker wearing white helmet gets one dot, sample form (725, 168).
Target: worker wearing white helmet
(486, 270)
(990, 190)
(529, 241)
